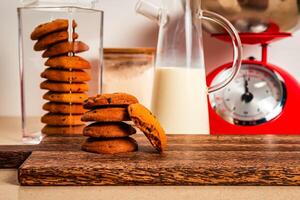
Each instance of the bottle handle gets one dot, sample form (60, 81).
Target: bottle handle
(236, 43)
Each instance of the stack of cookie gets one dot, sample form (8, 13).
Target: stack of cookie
(66, 78)
(109, 133)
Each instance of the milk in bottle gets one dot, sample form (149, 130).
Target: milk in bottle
(180, 101)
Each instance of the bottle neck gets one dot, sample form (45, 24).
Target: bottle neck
(175, 6)
(179, 39)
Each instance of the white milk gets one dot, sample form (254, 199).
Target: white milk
(179, 100)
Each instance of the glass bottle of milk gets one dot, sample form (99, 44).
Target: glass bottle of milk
(179, 98)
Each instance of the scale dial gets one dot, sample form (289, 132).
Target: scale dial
(257, 95)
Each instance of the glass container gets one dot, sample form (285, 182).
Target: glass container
(60, 65)
(180, 91)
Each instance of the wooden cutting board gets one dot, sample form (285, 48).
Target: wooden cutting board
(189, 160)
(12, 156)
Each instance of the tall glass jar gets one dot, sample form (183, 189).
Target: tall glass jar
(60, 61)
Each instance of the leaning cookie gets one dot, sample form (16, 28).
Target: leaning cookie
(109, 130)
(149, 125)
(64, 87)
(115, 99)
(108, 114)
(64, 48)
(65, 97)
(68, 62)
(52, 38)
(65, 75)
(61, 119)
(63, 130)
(110, 146)
(49, 27)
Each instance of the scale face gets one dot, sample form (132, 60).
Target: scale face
(256, 96)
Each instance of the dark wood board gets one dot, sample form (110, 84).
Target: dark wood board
(189, 160)
(12, 156)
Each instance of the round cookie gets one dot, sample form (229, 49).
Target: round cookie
(65, 47)
(106, 115)
(61, 119)
(52, 38)
(149, 125)
(63, 130)
(64, 87)
(49, 27)
(68, 62)
(108, 130)
(65, 75)
(110, 146)
(115, 99)
(65, 97)
(64, 108)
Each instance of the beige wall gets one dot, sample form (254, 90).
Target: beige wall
(122, 28)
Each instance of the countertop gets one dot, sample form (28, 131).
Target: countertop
(9, 188)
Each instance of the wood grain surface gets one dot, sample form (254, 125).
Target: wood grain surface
(12, 156)
(189, 160)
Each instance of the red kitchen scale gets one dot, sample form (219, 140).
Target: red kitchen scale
(262, 99)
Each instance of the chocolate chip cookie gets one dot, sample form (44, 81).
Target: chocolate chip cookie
(68, 62)
(110, 146)
(65, 75)
(64, 108)
(109, 114)
(64, 87)
(49, 27)
(63, 130)
(108, 130)
(63, 48)
(149, 125)
(115, 99)
(52, 38)
(61, 119)
(65, 97)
